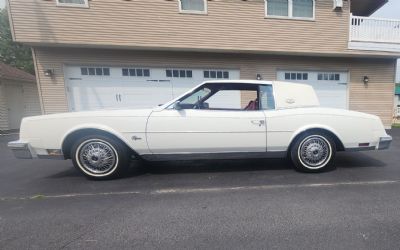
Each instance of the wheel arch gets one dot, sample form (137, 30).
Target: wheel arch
(72, 135)
(317, 128)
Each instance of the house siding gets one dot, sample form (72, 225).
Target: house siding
(30, 101)
(375, 98)
(3, 109)
(231, 25)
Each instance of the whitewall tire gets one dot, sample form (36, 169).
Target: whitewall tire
(313, 152)
(100, 157)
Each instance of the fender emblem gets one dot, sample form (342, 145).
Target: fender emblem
(136, 138)
(290, 101)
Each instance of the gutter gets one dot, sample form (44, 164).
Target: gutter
(8, 6)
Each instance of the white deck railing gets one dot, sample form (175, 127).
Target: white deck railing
(368, 29)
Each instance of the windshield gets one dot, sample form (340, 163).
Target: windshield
(196, 96)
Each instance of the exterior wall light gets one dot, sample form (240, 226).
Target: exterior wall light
(337, 4)
(366, 80)
(259, 77)
(48, 72)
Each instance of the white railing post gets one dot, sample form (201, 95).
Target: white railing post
(351, 27)
(368, 29)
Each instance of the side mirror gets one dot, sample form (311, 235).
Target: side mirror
(206, 105)
(177, 106)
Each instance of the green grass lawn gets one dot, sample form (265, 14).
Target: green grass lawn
(397, 125)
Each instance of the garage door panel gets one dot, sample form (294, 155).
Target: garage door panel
(331, 93)
(91, 95)
(112, 88)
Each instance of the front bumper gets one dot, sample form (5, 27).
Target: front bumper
(384, 142)
(22, 150)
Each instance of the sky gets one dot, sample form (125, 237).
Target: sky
(389, 10)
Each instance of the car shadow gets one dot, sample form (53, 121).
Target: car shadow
(173, 167)
(357, 160)
(343, 160)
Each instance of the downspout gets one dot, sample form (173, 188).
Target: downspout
(38, 83)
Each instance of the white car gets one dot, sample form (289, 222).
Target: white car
(211, 121)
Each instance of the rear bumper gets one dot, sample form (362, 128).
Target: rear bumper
(384, 142)
(22, 150)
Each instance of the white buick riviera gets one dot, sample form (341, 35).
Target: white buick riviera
(211, 121)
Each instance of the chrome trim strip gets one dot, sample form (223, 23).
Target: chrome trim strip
(358, 149)
(51, 157)
(214, 156)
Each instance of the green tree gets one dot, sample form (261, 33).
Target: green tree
(11, 53)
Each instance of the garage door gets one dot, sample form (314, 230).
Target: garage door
(330, 87)
(95, 87)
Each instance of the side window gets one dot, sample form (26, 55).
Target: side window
(277, 7)
(303, 9)
(225, 99)
(223, 96)
(193, 6)
(73, 3)
(267, 97)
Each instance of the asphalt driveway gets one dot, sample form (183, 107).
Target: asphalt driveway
(204, 204)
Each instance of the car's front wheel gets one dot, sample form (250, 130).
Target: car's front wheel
(313, 152)
(100, 157)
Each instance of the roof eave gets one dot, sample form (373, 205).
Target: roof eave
(366, 7)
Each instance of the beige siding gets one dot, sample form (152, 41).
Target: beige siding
(31, 100)
(375, 98)
(3, 109)
(232, 25)
(246, 97)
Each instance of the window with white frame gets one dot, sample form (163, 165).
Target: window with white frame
(303, 9)
(73, 3)
(193, 6)
(328, 77)
(298, 76)
(136, 72)
(92, 71)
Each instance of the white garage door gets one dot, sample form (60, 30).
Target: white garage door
(330, 87)
(101, 87)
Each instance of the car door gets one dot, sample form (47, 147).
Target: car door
(222, 128)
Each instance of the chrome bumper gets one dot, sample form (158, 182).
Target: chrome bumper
(22, 150)
(384, 142)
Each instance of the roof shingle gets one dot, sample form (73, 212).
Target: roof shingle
(11, 73)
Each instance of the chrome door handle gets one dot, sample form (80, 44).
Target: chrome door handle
(258, 122)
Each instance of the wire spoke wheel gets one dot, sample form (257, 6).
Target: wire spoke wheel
(315, 152)
(97, 156)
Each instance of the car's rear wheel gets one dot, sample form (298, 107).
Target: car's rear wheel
(100, 157)
(313, 152)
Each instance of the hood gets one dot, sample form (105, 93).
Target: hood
(98, 113)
